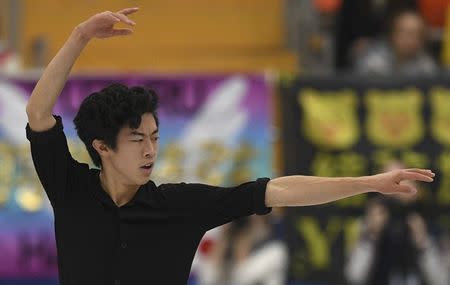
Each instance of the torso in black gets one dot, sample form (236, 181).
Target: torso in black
(150, 240)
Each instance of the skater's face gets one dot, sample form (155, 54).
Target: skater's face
(133, 159)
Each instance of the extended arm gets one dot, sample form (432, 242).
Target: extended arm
(300, 190)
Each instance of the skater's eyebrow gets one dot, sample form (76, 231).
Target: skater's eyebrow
(136, 133)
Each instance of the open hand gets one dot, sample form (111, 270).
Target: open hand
(101, 25)
(396, 181)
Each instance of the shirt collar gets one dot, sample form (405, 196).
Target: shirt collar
(141, 196)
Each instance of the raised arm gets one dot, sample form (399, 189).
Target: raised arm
(300, 190)
(43, 98)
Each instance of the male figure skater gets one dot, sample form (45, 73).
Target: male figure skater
(113, 225)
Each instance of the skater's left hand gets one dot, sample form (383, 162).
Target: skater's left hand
(395, 181)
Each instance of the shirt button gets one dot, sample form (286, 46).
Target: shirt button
(116, 282)
(124, 245)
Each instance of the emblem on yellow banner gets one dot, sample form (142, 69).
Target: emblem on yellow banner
(394, 117)
(440, 115)
(330, 118)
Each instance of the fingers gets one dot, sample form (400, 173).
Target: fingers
(418, 176)
(124, 19)
(422, 171)
(128, 11)
(113, 17)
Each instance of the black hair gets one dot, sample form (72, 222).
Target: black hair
(103, 114)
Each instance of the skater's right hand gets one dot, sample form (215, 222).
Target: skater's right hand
(101, 25)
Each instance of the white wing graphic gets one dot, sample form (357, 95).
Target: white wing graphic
(220, 119)
(13, 117)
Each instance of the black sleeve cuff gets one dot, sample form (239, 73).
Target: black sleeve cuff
(45, 136)
(259, 197)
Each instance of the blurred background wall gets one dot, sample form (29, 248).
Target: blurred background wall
(175, 35)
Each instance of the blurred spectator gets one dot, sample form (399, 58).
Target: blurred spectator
(247, 253)
(402, 53)
(359, 21)
(395, 246)
(39, 51)
(310, 33)
(307, 35)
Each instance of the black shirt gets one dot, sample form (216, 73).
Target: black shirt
(150, 240)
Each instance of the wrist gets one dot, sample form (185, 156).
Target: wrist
(80, 36)
(364, 184)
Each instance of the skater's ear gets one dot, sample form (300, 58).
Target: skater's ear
(101, 147)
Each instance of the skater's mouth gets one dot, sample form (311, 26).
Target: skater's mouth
(147, 166)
